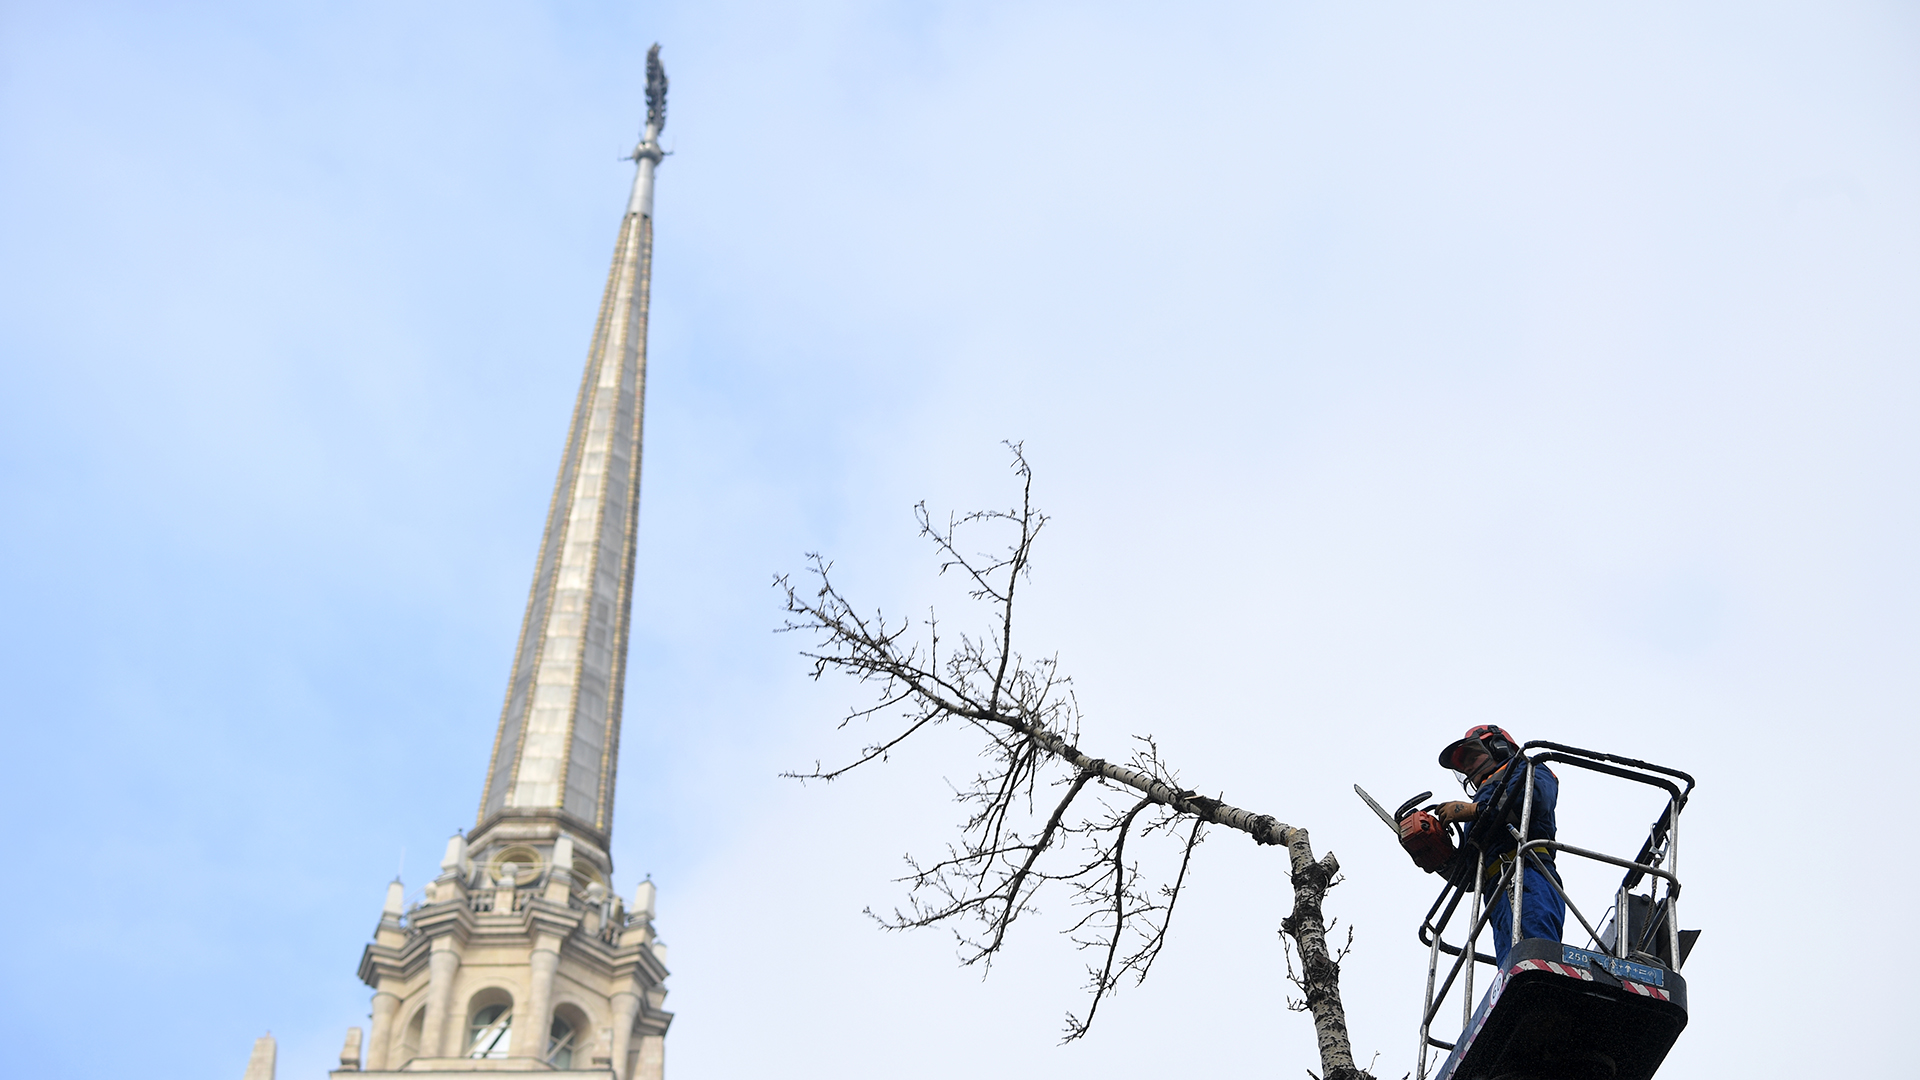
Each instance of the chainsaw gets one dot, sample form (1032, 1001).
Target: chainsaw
(1420, 834)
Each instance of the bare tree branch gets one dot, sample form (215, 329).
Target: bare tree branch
(1030, 722)
(1099, 890)
(1172, 893)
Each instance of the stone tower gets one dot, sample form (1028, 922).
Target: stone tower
(522, 957)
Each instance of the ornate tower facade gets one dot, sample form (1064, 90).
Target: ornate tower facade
(522, 956)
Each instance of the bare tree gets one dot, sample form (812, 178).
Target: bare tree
(1042, 810)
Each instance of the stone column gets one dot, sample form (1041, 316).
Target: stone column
(626, 1006)
(530, 1041)
(380, 1041)
(441, 965)
(653, 1058)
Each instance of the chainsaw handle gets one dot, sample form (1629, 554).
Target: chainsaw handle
(1408, 806)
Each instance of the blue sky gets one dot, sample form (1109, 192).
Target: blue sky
(1387, 368)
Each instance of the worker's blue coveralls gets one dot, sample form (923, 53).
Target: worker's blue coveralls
(1542, 912)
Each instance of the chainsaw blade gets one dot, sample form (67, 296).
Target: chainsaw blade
(1377, 808)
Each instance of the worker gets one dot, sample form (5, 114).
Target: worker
(1488, 764)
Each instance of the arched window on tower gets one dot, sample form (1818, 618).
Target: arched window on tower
(560, 1043)
(491, 1031)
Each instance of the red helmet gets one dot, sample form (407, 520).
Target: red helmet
(1486, 735)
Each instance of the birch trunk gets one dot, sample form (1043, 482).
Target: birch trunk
(1319, 972)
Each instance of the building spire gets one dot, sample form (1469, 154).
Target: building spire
(559, 733)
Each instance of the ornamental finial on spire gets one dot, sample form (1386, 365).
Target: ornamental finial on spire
(656, 92)
(649, 148)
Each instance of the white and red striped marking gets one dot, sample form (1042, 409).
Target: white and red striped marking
(1557, 969)
(1646, 991)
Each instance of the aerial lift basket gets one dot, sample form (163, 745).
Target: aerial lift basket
(1608, 1011)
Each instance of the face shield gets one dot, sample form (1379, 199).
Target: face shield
(1469, 760)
